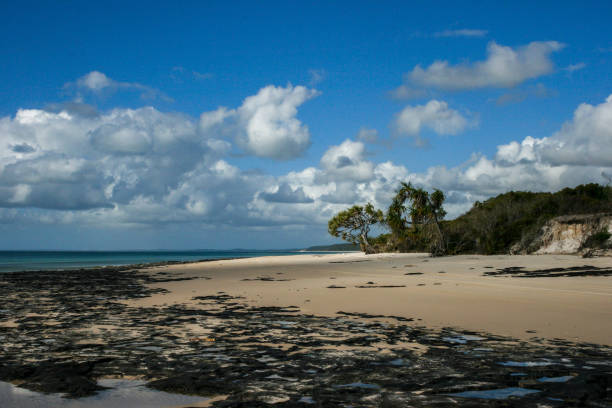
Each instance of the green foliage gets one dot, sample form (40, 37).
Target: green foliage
(598, 240)
(353, 224)
(495, 225)
(414, 218)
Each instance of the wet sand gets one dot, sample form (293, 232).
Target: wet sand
(436, 292)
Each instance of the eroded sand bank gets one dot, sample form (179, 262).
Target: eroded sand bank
(441, 292)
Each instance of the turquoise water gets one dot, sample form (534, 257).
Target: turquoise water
(49, 260)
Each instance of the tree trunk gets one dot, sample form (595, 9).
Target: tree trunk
(439, 247)
(365, 244)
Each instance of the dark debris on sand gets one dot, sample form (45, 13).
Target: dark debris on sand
(519, 272)
(61, 331)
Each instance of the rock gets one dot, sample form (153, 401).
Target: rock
(568, 234)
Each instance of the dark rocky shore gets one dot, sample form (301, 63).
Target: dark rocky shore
(62, 330)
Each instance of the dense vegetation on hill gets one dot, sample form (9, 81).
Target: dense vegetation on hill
(493, 226)
(490, 227)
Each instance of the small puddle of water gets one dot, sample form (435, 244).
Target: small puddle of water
(565, 378)
(462, 339)
(525, 363)
(498, 394)
(359, 385)
(123, 394)
(307, 400)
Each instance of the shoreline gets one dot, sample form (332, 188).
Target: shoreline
(121, 267)
(240, 331)
(230, 254)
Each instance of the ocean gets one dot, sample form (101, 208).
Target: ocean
(54, 260)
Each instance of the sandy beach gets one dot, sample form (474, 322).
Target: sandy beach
(292, 331)
(436, 292)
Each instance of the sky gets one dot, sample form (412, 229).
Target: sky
(157, 125)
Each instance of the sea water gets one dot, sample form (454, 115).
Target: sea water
(57, 260)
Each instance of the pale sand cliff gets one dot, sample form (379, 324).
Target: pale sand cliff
(572, 308)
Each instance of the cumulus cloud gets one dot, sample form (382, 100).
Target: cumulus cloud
(504, 67)
(145, 167)
(580, 152)
(435, 115)
(271, 127)
(584, 141)
(70, 161)
(346, 162)
(265, 125)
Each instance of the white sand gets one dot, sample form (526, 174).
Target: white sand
(572, 308)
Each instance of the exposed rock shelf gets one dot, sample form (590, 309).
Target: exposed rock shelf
(62, 331)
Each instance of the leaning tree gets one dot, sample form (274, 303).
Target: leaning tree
(416, 209)
(353, 225)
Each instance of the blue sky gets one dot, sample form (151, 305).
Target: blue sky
(248, 124)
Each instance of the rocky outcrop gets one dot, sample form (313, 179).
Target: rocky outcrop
(571, 234)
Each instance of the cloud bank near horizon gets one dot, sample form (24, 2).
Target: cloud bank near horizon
(73, 164)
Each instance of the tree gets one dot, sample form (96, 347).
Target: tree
(420, 211)
(353, 225)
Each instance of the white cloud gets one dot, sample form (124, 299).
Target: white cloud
(435, 115)
(464, 32)
(584, 141)
(143, 166)
(131, 167)
(580, 152)
(346, 162)
(96, 82)
(504, 67)
(86, 162)
(533, 164)
(514, 152)
(271, 127)
(265, 125)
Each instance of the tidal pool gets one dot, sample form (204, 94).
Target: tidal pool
(121, 394)
(501, 393)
